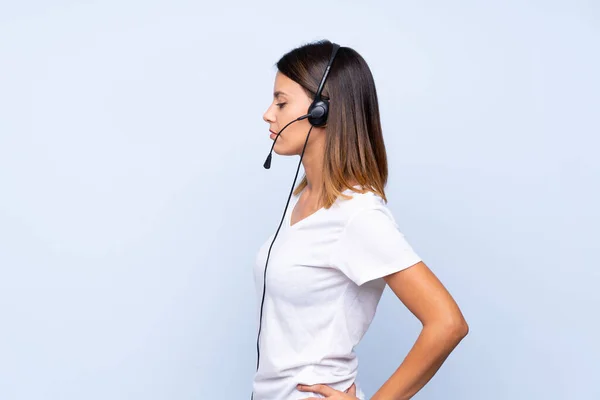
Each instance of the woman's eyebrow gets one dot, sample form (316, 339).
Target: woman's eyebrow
(278, 93)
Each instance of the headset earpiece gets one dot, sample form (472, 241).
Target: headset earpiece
(318, 112)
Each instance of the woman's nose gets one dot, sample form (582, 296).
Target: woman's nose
(267, 116)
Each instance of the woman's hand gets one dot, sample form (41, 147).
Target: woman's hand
(330, 393)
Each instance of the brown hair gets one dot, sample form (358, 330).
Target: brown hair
(354, 149)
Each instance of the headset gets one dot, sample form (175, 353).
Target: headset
(317, 115)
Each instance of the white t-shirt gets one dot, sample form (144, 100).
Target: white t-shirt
(324, 281)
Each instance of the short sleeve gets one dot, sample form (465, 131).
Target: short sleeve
(371, 246)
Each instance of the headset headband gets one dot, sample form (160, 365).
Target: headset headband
(319, 109)
(322, 84)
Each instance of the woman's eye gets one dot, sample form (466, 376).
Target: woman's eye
(280, 105)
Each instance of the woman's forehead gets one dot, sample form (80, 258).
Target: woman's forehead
(284, 86)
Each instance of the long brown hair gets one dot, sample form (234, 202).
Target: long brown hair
(354, 149)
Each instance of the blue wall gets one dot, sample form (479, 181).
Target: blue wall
(133, 198)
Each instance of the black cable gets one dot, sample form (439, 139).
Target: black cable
(273, 241)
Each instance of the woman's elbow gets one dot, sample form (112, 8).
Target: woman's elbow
(454, 328)
(458, 328)
(461, 329)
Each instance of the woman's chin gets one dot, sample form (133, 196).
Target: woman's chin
(283, 152)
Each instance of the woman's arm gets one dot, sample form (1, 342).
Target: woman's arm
(443, 328)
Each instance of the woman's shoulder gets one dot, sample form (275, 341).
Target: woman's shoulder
(360, 197)
(354, 202)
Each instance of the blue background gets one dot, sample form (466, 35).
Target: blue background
(133, 197)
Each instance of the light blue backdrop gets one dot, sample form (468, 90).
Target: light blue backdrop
(133, 198)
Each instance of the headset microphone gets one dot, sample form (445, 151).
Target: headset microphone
(267, 163)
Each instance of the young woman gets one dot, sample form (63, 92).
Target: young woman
(338, 245)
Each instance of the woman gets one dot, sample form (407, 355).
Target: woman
(338, 245)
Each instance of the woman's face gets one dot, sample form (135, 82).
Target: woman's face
(290, 102)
